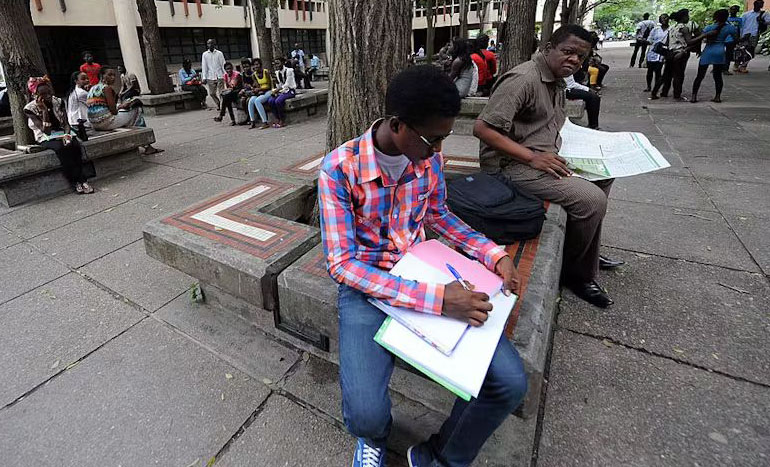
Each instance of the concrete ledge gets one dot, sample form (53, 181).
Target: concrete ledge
(471, 107)
(169, 103)
(25, 177)
(236, 241)
(6, 126)
(307, 104)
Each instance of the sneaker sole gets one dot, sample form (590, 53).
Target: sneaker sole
(409, 456)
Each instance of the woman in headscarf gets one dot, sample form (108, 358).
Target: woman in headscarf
(47, 117)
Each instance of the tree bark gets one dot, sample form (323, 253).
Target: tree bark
(519, 33)
(157, 73)
(430, 35)
(569, 12)
(549, 18)
(368, 49)
(275, 30)
(21, 58)
(464, 5)
(263, 34)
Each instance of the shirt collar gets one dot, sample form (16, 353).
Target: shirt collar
(546, 75)
(367, 162)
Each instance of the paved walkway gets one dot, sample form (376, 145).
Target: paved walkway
(105, 362)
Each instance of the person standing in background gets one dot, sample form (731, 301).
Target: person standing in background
(655, 60)
(737, 22)
(714, 53)
(754, 24)
(299, 55)
(643, 30)
(213, 71)
(90, 68)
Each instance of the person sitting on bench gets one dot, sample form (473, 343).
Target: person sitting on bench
(519, 132)
(577, 91)
(376, 194)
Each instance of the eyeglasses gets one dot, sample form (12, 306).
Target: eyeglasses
(431, 143)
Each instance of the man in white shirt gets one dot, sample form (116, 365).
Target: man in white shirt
(213, 72)
(754, 24)
(299, 54)
(577, 91)
(643, 29)
(421, 51)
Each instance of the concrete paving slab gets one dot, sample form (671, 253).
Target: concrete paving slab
(725, 130)
(150, 397)
(91, 238)
(8, 238)
(753, 231)
(712, 146)
(669, 232)
(739, 198)
(48, 328)
(739, 168)
(145, 281)
(25, 268)
(690, 313)
(182, 194)
(231, 337)
(35, 219)
(661, 189)
(615, 406)
(286, 434)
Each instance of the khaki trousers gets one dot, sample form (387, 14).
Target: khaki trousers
(215, 88)
(585, 203)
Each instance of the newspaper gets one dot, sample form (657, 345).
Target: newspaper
(598, 155)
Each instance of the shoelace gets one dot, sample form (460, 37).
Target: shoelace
(370, 457)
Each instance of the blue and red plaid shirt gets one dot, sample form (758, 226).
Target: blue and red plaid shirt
(368, 222)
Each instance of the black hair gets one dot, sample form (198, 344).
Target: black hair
(662, 15)
(246, 61)
(73, 83)
(255, 60)
(461, 49)
(482, 41)
(104, 69)
(86, 52)
(678, 16)
(186, 61)
(646, 16)
(721, 15)
(564, 32)
(228, 63)
(420, 93)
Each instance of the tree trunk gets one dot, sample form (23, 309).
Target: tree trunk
(157, 73)
(21, 58)
(463, 18)
(581, 14)
(519, 33)
(481, 13)
(549, 18)
(275, 30)
(430, 17)
(569, 12)
(368, 49)
(263, 34)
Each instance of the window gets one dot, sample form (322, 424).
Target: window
(180, 43)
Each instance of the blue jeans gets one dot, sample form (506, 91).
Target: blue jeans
(365, 370)
(257, 103)
(277, 104)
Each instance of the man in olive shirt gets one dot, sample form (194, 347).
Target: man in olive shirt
(519, 133)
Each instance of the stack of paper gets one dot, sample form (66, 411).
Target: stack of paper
(447, 350)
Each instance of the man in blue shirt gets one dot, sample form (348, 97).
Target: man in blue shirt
(754, 24)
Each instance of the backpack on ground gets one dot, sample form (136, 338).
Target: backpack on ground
(491, 207)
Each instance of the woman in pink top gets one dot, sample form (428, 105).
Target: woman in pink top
(233, 85)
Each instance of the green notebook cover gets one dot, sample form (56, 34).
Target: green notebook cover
(378, 338)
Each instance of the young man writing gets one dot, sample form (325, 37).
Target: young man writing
(519, 133)
(376, 195)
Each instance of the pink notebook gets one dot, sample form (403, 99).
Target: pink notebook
(438, 255)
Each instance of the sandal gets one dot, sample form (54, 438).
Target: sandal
(87, 189)
(264, 126)
(79, 188)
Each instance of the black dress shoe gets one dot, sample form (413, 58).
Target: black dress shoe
(592, 293)
(606, 263)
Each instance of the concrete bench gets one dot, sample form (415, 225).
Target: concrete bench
(28, 176)
(322, 73)
(169, 103)
(6, 126)
(471, 107)
(306, 104)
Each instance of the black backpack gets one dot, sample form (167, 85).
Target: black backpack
(493, 208)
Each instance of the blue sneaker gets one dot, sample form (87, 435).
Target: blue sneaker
(419, 455)
(368, 456)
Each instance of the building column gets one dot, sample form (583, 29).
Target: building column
(125, 17)
(253, 32)
(328, 46)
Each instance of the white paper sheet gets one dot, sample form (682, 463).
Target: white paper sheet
(597, 155)
(467, 367)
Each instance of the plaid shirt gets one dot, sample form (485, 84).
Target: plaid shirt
(368, 222)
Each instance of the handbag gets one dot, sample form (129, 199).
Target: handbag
(661, 49)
